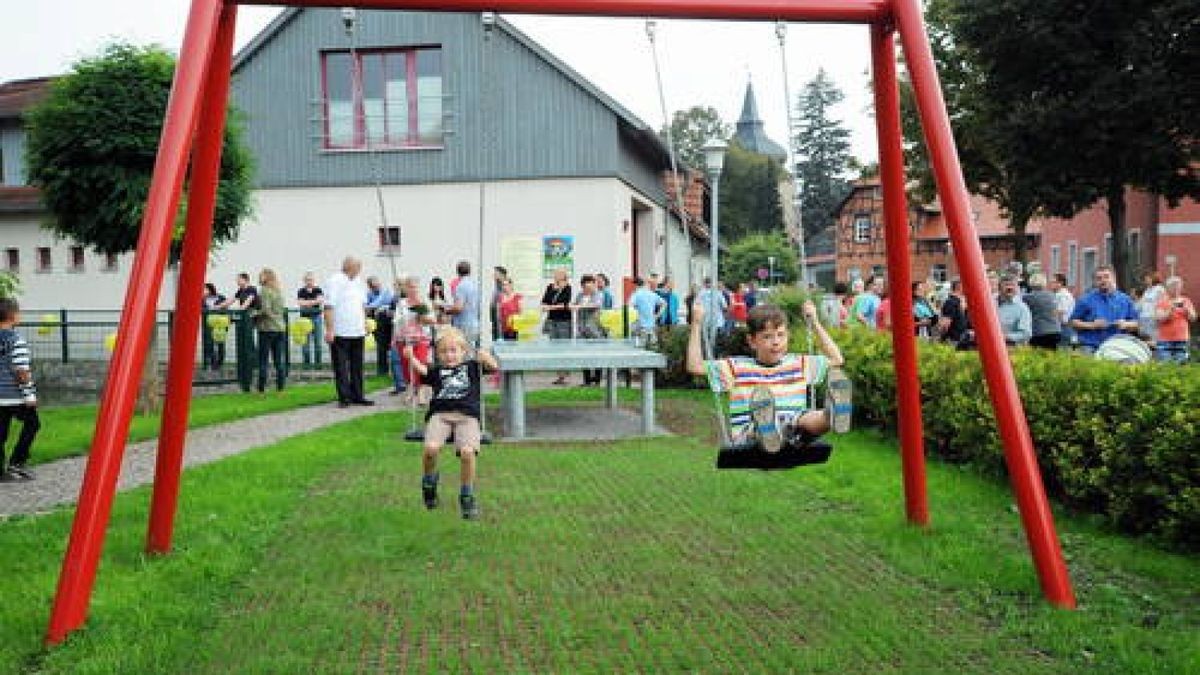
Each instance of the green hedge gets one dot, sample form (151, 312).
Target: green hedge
(1119, 441)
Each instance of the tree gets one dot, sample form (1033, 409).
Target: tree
(754, 252)
(691, 129)
(822, 145)
(1073, 105)
(10, 285)
(92, 145)
(91, 148)
(749, 194)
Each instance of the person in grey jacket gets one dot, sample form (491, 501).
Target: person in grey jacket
(1047, 331)
(1015, 320)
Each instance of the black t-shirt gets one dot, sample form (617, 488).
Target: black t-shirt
(558, 296)
(952, 309)
(455, 388)
(313, 294)
(246, 296)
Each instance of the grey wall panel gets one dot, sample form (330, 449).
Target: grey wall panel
(511, 115)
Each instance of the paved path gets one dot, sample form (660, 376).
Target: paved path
(58, 482)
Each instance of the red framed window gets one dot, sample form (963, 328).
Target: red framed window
(77, 258)
(382, 98)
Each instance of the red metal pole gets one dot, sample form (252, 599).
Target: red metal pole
(197, 238)
(832, 11)
(1002, 387)
(895, 216)
(137, 320)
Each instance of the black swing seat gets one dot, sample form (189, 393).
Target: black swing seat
(790, 456)
(418, 436)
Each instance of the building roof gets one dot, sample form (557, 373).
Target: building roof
(18, 96)
(750, 133)
(632, 127)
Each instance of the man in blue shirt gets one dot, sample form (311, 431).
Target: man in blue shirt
(1103, 312)
(464, 314)
(649, 306)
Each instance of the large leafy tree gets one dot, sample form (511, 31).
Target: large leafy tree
(749, 194)
(1073, 103)
(691, 129)
(823, 159)
(92, 145)
(754, 252)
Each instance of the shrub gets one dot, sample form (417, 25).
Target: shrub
(1121, 441)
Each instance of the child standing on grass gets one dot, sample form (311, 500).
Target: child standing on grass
(18, 395)
(774, 381)
(454, 409)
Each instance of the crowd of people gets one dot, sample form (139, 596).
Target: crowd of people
(1033, 310)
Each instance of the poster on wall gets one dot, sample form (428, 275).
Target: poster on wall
(558, 250)
(522, 257)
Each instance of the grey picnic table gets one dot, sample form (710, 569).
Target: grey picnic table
(545, 355)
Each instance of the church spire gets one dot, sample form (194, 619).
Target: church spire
(750, 134)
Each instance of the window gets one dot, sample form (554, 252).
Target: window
(938, 273)
(1135, 249)
(12, 260)
(76, 259)
(110, 262)
(1072, 263)
(383, 98)
(43, 259)
(862, 229)
(1108, 251)
(877, 271)
(1089, 266)
(1055, 258)
(389, 239)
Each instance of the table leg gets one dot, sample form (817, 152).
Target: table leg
(610, 384)
(647, 401)
(514, 403)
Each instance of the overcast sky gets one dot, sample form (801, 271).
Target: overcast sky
(703, 63)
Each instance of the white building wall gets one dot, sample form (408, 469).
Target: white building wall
(297, 230)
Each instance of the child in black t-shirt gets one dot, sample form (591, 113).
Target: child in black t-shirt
(454, 409)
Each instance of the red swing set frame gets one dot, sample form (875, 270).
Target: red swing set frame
(193, 128)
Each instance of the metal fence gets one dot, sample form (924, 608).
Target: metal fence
(78, 336)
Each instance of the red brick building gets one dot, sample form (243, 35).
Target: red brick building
(1159, 237)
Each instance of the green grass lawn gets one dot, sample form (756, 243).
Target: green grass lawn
(67, 430)
(315, 555)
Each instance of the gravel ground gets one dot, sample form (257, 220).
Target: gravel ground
(58, 482)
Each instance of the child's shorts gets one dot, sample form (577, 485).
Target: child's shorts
(464, 427)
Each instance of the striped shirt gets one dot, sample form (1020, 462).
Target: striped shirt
(14, 359)
(788, 381)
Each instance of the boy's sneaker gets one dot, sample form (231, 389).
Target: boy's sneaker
(429, 494)
(839, 407)
(470, 507)
(762, 412)
(19, 472)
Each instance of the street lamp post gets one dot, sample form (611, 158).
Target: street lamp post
(771, 270)
(714, 161)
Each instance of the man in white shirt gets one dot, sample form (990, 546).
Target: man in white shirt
(1065, 306)
(346, 331)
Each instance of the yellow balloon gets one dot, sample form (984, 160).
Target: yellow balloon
(303, 325)
(219, 334)
(110, 342)
(48, 321)
(216, 321)
(369, 343)
(370, 325)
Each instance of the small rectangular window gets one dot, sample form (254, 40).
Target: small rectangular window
(12, 260)
(1072, 264)
(389, 239)
(1055, 255)
(1135, 249)
(1108, 249)
(938, 272)
(44, 262)
(862, 229)
(110, 262)
(77, 258)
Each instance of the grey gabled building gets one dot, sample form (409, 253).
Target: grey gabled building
(483, 144)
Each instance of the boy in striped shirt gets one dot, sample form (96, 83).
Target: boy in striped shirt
(18, 396)
(773, 380)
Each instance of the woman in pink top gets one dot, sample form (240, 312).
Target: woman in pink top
(1173, 313)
